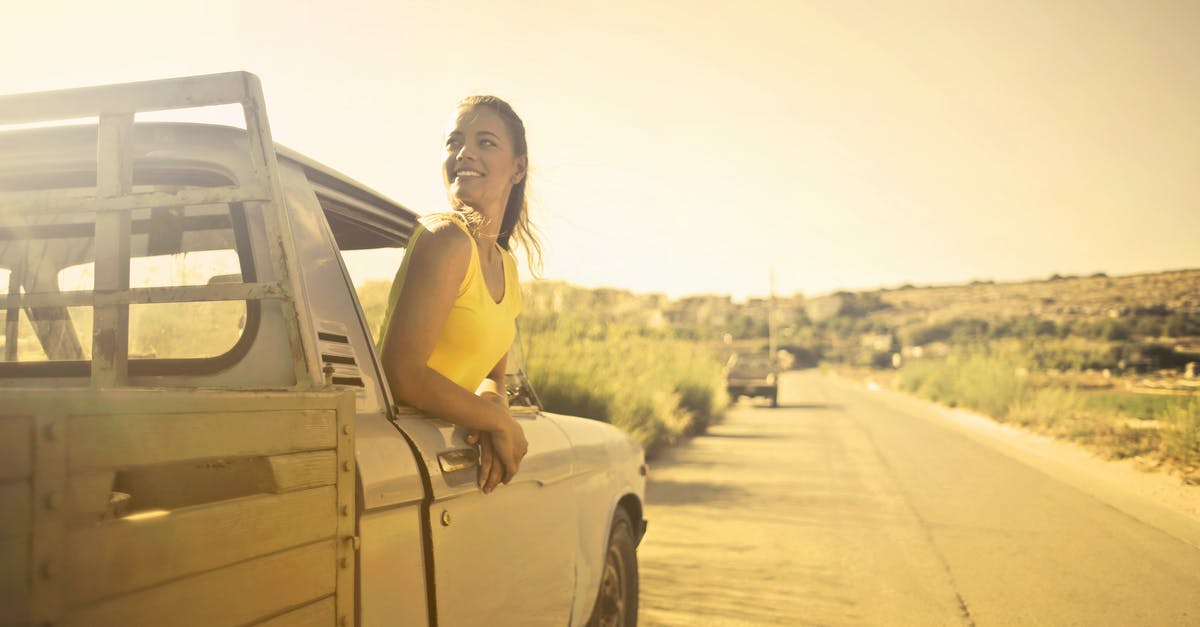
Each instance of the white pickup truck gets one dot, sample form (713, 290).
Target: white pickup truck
(194, 428)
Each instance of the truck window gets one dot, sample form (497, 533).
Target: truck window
(195, 245)
(170, 330)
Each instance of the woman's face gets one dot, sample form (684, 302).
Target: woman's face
(480, 167)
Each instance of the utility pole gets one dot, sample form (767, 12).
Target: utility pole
(771, 317)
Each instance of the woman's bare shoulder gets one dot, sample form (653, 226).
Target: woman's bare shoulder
(443, 245)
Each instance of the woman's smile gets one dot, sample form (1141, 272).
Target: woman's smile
(467, 173)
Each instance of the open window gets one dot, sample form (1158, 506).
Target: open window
(372, 255)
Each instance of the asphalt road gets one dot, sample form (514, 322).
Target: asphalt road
(851, 507)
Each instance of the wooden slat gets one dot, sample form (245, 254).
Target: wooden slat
(114, 154)
(319, 614)
(131, 401)
(14, 581)
(172, 93)
(16, 440)
(46, 202)
(15, 513)
(124, 555)
(300, 471)
(145, 295)
(114, 178)
(104, 441)
(230, 596)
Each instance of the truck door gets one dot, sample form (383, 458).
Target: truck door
(504, 558)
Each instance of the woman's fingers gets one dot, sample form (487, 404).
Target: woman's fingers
(510, 447)
(486, 455)
(520, 448)
(497, 470)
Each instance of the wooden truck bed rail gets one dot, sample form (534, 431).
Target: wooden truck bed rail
(148, 507)
(114, 199)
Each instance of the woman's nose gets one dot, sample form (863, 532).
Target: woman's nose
(463, 153)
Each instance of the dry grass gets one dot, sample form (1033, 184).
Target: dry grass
(1163, 431)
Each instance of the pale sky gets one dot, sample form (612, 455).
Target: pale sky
(690, 147)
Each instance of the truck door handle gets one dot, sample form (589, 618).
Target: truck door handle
(458, 459)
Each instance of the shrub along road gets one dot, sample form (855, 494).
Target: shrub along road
(851, 507)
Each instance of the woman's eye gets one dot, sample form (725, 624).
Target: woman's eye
(487, 142)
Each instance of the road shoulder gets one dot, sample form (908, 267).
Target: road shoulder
(1155, 498)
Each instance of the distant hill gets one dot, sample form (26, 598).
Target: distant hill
(1060, 299)
(1141, 322)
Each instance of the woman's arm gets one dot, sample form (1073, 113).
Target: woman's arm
(492, 387)
(491, 471)
(437, 265)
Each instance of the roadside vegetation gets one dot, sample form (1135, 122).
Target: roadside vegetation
(584, 361)
(1107, 362)
(656, 387)
(1002, 381)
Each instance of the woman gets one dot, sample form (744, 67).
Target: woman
(453, 306)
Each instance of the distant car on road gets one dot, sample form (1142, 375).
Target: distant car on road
(753, 374)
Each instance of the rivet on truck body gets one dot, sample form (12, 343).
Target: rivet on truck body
(52, 431)
(346, 466)
(346, 429)
(53, 500)
(445, 518)
(345, 510)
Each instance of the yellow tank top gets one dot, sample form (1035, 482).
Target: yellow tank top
(479, 330)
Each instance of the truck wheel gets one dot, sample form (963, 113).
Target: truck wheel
(617, 600)
(775, 398)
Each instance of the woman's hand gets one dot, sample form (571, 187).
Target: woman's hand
(510, 446)
(500, 450)
(491, 471)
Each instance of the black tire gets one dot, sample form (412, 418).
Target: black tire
(775, 398)
(617, 600)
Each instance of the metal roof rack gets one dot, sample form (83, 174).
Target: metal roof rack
(114, 200)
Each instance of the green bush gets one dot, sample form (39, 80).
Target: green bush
(956, 330)
(1182, 431)
(1182, 324)
(988, 381)
(654, 386)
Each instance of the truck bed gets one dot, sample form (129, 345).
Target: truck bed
(152, 507)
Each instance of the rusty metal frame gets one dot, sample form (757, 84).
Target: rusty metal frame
(114, 201)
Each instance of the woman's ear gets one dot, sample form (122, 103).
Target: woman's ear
(522, 164)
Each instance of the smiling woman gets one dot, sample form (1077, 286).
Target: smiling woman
(453, 305)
